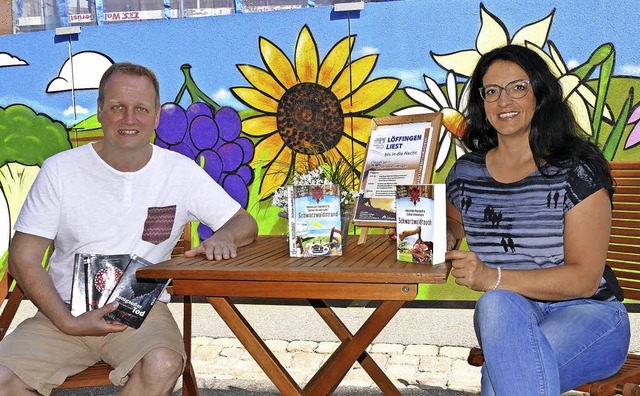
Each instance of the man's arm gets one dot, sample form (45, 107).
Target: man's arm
(25, 265)
(240, 230)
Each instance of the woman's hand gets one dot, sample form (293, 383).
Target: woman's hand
(470, 271)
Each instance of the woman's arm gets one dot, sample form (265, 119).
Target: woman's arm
(455, 229)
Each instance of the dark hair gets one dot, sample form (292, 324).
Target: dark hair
(555, 137)
(130, 69)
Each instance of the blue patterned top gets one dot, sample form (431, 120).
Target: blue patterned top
(520, 225)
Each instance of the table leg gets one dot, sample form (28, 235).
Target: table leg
(255, 346)
(189, 383)
(335, 368)
(343, 333)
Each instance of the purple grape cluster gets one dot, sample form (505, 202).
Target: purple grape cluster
(211, 138)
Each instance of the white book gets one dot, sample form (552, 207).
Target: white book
(421, 223)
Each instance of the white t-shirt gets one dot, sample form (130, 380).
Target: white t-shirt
(86, 206)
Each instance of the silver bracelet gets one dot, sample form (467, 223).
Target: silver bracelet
(499, 279)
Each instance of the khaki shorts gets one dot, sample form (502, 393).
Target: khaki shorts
(43, 357)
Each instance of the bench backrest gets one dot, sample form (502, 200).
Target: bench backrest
(624, 246)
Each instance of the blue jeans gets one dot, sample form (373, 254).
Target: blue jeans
(541, 348)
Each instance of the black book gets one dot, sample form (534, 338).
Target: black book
(103, 272)
(94, 277)
(135, 297)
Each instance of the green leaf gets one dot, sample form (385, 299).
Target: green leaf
(611, 146)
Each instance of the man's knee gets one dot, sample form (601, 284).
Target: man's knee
(162, 363)
(11, 384)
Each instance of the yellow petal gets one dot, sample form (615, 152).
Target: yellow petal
(255, 99)
(335, 61)
(345, 148)
(267, 149)
(535, 33)
(461, 62)
(276, 174)
(557, 59)
(361, 128)
(551, 62)
(277, 63)
(581, 113)
(306, 56)
(569, 83)
(262, 81)
(369, 95)
(590, 98)
(354, 75)
(492, 32)
(259, 125)
(307, 163)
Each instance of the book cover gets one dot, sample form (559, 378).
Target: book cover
(421, 223)
(400, 150)
(102, 273)
(78, 301)
(135, 297)
(314, 220)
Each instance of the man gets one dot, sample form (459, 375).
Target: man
(118, 195)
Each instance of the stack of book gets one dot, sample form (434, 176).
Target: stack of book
(100, 279)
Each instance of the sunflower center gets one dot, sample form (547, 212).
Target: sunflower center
(310, 119)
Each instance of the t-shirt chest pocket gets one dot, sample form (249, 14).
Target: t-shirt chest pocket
(159, 223)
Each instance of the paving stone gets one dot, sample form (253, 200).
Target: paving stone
(435, 364)
(277, 345)
(302, 346)
(422, 350)
(405, 360)
(388, 349)
(454, 352)
(327, 347)
(466, 378)
(234, 352)
(226, 342)
(205, 352)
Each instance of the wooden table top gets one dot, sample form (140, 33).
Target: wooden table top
(267, 259)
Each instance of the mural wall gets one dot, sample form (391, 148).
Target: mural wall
(253, 98)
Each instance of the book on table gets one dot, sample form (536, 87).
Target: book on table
(314, 220)
(421, 223)
(99, 279)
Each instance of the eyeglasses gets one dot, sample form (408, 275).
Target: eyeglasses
(515, 90)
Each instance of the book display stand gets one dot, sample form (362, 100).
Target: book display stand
(401, 150)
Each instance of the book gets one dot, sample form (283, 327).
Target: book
(314, 220)
(135, 297)
(421, 223)
(78, 301)
(102, 274)
(400, 150)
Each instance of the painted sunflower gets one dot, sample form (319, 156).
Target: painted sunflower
(309, 110)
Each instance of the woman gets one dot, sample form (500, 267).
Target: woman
(535, 202)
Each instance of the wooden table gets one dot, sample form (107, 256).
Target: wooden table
(264, 269)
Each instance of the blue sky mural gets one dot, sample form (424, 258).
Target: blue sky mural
(402, 32)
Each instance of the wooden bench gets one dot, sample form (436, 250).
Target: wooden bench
(624, 258)
(98, 374)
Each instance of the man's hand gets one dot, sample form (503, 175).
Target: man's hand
(93, 323)
(219, 246)
(470, 271)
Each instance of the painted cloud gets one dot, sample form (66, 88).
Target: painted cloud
(7, 60)
(88, 67)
